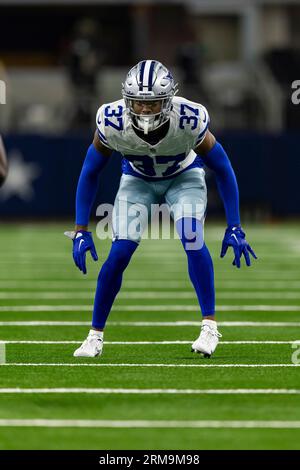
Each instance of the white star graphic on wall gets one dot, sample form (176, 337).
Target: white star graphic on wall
(21, 175)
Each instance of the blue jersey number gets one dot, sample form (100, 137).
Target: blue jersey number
(190, 120)
(117, 122)
(145, 164)
(174, 160)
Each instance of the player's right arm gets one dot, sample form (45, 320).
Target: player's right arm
(96, 158)
(3, 163)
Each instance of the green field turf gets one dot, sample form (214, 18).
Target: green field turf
(147, 390)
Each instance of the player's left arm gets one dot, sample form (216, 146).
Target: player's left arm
(3, 163)
(215, 157)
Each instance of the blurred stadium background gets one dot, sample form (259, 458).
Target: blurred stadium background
(61, 59)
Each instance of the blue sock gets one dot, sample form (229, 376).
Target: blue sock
(110, 279)
(200, 265)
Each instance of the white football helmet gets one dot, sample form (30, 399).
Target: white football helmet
(149, 80)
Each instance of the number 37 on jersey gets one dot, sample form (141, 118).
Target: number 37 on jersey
(189, 122)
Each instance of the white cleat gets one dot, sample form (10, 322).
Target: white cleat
(208, 339)
(92, 346)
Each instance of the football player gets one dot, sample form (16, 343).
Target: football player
(3, 163)
(165, 142)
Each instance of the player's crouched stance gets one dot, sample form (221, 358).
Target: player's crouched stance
(165, 142)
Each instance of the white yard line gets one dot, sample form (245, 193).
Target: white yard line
(289, 274)
(99, 364)
(150, 324)
(85, 423)
(85, 284)
(152, 391)
(124, 295)
(254, 295)
(149, 342)
(151, 308)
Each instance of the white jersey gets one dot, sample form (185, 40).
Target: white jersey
(171, 155)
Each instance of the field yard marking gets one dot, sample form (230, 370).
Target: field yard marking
(96, 423)
(83, 364)
(124, 295)
(177, 275)
(152, 391)
(150, 308)
(2, 353)
(49, 323)
(138, 284)
(180, 277)
(149, 323)
(197, 323)
(147, 342)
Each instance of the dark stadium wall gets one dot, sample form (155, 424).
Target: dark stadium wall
(44, 171)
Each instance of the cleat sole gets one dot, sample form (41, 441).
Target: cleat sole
(206, 355)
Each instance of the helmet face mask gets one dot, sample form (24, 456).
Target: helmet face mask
(149, 122)
(149, 81)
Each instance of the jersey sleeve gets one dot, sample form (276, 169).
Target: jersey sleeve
(101, 130)
(203, 124)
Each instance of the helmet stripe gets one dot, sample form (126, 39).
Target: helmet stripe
(150, 84)
(142, 75)
(146, 73)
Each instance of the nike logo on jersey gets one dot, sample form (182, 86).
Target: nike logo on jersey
(80, 243)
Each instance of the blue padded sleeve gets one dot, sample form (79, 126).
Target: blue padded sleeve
(88, 184)
(217, 160)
